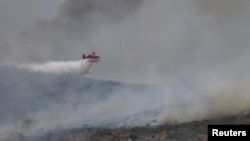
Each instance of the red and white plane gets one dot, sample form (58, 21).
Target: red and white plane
(91, 57)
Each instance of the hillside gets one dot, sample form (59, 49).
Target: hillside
(191, 131)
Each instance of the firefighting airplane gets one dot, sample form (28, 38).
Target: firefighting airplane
(91, 57)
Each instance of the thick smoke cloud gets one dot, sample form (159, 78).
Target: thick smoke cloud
(147, 41)
(63, 37)
(196, 51)
(19, 15)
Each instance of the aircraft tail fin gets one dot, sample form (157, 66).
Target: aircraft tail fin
(93, 56)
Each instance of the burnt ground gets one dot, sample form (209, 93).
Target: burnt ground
(191, 131)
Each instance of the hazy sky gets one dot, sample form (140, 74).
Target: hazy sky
(18, 15)
(145, 40)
